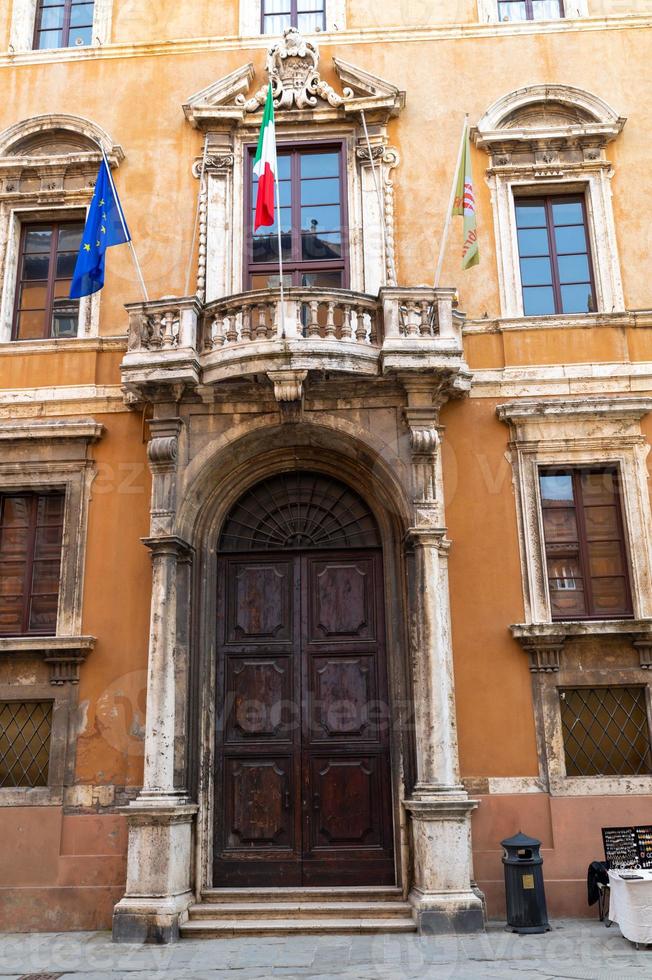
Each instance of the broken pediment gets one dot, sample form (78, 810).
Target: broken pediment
(292, 69)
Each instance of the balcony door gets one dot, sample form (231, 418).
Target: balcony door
(302, 788)
(314, 223)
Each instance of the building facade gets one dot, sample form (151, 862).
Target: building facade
(333, 591)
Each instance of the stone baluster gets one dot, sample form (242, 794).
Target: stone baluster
(313, 325)
(361, 325)
(245, 332)
(329, 330)
(425, 326)
(231, 324)
(346, 330)
(261, 326)
(412, 320)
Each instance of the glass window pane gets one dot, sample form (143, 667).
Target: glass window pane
(533, 241)
(565, 575)
(546, 9)
(310, 23)
(50, 39)
(43, 614)
(538, 300)
(513, 11)
(601, 523)
(570, 238)
(64, 325)
(277, 6)
(81, 15)
(605, 558)
(284, 166)
(599, 487)
(80, 36)
(328, 280)
(530, 215)
(577, 299)
(560, 524)
(276, 24)
(320, 164)
(66, 265)
(35, 266)
(609, 595)
(52, 19)
(31, 325)
(321, 247)
(326, 191)
(33, 297)
(38, 240)
(536, 272)
(305, 5)
(568, 213)
(556, 488)
(326, 218)
(573, 268)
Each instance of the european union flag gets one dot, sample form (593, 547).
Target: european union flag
(105, 226)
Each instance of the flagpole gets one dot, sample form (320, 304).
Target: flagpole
(124, 227)
(280, 244)
(449, 213)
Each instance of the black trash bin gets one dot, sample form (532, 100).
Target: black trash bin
(524, 893)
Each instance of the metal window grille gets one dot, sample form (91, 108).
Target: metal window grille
(605, 731)
(25, 730)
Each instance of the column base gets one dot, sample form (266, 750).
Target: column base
(442, 896)
(150, 920)
(159, 863)
(443, 913)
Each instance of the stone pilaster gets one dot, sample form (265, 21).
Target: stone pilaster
(160, 820)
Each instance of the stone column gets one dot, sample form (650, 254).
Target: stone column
(159, 857)
(439, 807)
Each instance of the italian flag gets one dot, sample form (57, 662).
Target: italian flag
(464, 205)
(265, 165)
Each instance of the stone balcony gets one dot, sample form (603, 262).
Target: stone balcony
(185, 343)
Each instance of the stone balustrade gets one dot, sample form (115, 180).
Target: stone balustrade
(181, 341)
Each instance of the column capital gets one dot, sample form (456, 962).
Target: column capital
(428, 537)
(169, 545)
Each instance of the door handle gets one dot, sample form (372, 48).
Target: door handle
(316, 801)
(286, 802)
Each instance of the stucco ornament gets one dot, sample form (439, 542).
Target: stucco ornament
(292, 66)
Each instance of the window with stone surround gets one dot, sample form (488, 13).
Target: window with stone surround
(549, 178)
(67, 25)
(584, 539)
(25, 731)
(46, 262)
(314, 232)
(31, 534)
(518, 11)
(275, 16)
(63, 24)
(307, 16)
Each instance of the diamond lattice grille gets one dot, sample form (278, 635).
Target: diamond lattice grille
(25, 729)
(605, 731)
(299, 510)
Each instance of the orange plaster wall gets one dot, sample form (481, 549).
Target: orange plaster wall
(491, 673)
(116, 608)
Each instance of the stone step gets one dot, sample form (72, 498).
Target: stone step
(302, 910)
(210, 928)
(355, 893)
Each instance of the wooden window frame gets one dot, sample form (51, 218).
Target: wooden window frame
(296, 266)
(294, 15)
(34, 497)
(547, 201)
(26, 227)
(529, 10)
(576, 472)
(65, 30)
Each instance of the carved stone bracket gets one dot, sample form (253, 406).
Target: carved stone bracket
(63, 654)
(643, 643)
(288, 385)
(163, 446)
(544, 652)
(544, 642)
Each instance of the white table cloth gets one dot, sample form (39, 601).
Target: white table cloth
(630, 905)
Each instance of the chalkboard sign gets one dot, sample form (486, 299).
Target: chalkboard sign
(628, 847)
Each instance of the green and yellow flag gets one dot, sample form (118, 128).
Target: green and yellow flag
(464, 205)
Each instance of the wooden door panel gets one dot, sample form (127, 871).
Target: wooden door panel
(259, 699)
(259, 805)
(343, 699)
(259, 608)
(342, 599)
(345, 793)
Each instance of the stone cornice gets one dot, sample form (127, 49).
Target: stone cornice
(382, 35)
(615, 407)
(568, 321)
(87, 430)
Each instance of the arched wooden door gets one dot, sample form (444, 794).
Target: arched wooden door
(302, 788)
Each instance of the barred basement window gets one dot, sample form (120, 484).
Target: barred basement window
(605, 731)
(25, 730)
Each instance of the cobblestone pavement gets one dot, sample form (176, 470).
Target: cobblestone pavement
(574, 949)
